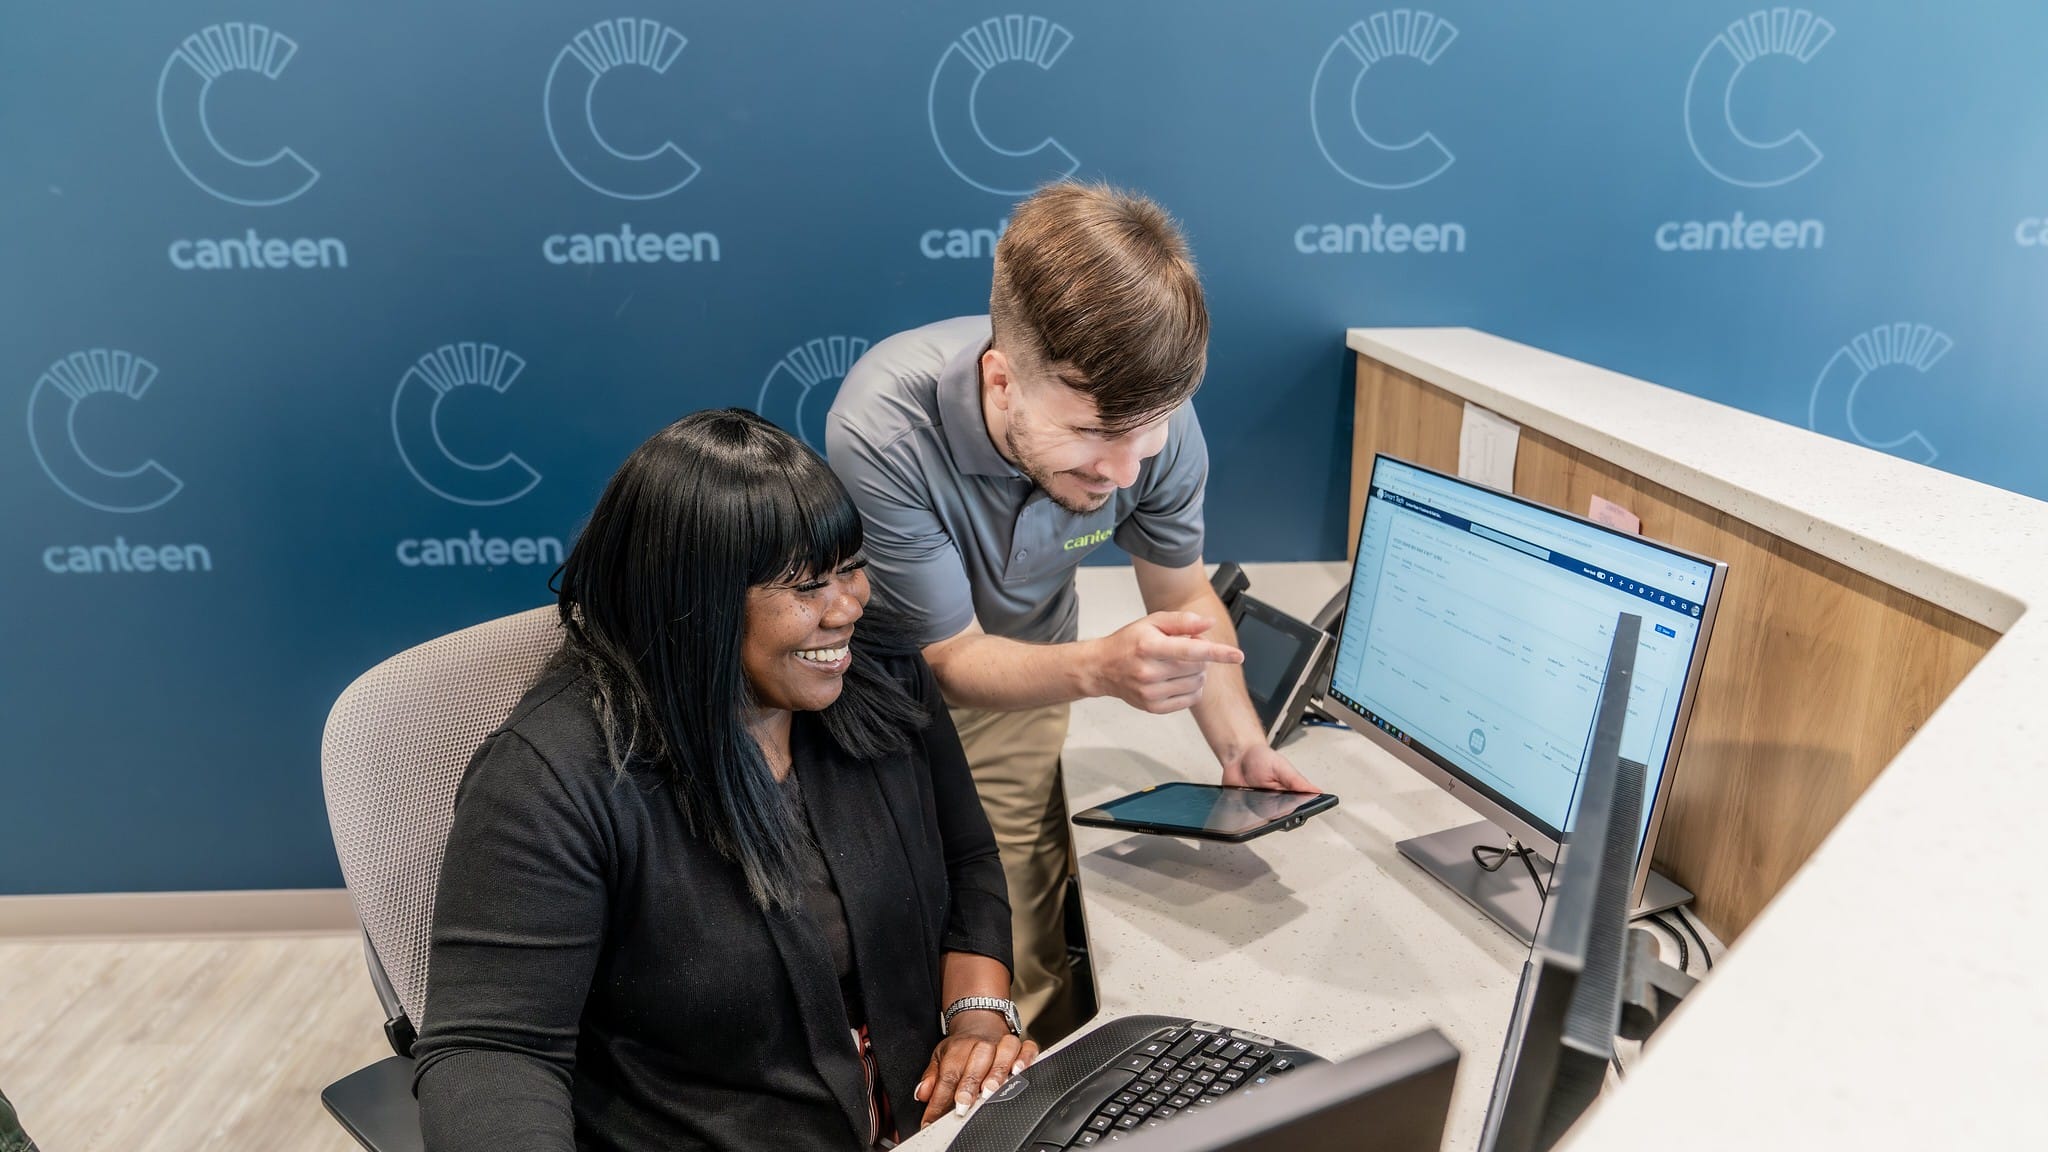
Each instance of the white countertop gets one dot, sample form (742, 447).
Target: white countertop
(1892, 995)
(1324, 936)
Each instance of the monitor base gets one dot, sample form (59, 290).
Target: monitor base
(1508, 895)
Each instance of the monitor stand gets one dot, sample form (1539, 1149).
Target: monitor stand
(1508, 896)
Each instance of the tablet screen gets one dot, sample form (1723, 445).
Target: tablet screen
(1208, 807)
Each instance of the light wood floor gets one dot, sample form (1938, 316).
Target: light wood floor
(184, 1045)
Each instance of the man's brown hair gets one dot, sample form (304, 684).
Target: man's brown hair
(1096, 284)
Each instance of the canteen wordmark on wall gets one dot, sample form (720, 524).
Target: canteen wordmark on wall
(1728, 152)
(953, 105)
(416, 425)
(798, 390)
(1370, 50)
(54, 402)
(1832, 408)
(182, 113)
(569, 107)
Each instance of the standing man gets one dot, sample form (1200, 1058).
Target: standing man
(988, 456)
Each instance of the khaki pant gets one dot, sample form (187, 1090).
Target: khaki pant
(1015, 758)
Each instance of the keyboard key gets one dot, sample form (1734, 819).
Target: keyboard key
(1179, 1100)
(1201, 1026)
(1167, 1064)
(1204, 1077)
(1125, 1097)
(1154, 1099)
(1178, 1075)
(1154, 1048)
(1141, 1109)
(1129, 1122)
(1162, 1112)
(1231, 1076)
(1216, 1045)
(1113, 1109)
(1218, 1088)
(1087, 1138)
(1100, 1123)
(1258, 1053)
(1154, 1077)
(1186, 1044)
(1135, 1063)
(1281, 1065)
(1171, 1035)
(1236, 1049)
(1244, 1063)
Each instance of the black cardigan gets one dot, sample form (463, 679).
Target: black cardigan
(600, 978)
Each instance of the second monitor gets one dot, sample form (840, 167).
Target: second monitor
(1472, 647)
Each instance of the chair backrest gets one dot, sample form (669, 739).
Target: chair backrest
(394, 750)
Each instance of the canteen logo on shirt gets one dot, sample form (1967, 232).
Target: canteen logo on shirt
(798, 390)
(1363, 59)
(953, 109)
(570, 105)
(416, 425)
(1722, 147)
(1084, 542)
(1832, 408)
(1334, 96)
(75, 383)
(182, 93)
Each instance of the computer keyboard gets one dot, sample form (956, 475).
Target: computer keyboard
(1129, 1075)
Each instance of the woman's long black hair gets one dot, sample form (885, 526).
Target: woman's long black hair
(653, 599)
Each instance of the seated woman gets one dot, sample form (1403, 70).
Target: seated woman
(714, 880)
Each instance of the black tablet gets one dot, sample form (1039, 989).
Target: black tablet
(1207, 811)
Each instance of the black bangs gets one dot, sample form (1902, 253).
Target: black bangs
(654, 601)
(802, 523)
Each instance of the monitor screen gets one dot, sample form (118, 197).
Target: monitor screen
(1477, 629)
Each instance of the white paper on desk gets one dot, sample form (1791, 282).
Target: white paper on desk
(1486, 447)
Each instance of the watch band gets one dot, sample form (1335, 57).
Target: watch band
(983, 1003)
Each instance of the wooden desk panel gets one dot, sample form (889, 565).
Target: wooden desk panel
(1816, 674)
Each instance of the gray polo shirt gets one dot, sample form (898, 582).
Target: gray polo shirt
(954, 533)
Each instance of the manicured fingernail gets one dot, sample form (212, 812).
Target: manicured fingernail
(1016, 1068)
(960, 1108)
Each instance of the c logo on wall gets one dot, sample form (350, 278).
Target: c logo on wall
(182, 92)
(791, 395)
(1339, 82)
(416, 425)
(568, 103)
(53, 432)
(953, 109)
(1722, 147)
(1832, 409)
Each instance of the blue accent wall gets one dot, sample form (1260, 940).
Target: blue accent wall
(324, 323)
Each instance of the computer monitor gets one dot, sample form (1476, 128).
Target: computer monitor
(1472, 645)
(1395, 1098)
(1569, 1007)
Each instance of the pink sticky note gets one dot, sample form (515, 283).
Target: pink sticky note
(1614, 516)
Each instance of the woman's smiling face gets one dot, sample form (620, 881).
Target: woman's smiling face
(795, 647)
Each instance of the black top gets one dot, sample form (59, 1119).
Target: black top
(823, 905)
(600, 978)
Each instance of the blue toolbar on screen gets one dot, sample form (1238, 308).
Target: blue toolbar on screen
(1478, 628)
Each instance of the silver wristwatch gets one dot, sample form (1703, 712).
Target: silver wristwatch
(989, 1003)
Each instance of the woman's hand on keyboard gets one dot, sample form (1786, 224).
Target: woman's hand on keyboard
(970, 1063)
